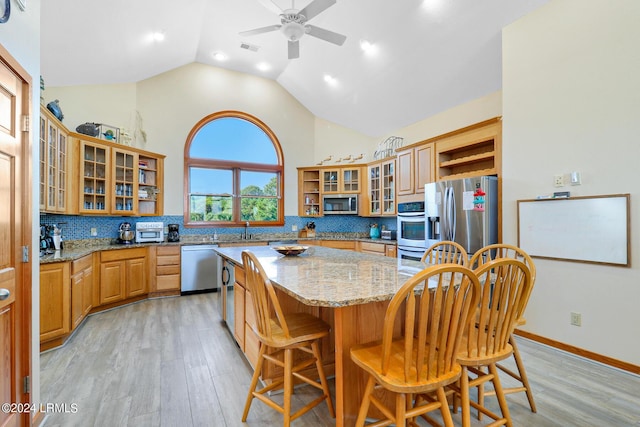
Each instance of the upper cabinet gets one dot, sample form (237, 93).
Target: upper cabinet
(415, 169)
(54, 164)
(314, 182)
(117, 180)
(345, 179)
(382, 187)
(472, 151)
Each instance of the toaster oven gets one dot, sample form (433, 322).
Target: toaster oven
(149, 232)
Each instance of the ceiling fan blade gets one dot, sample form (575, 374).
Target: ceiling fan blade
(268, 4)
(326, 35)
(316, 7)
(294, 49)
(260, 30)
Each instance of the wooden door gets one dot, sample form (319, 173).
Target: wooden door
(405, 172)
(424, 167)
(136, 277)
(15, 233)
(112, 281)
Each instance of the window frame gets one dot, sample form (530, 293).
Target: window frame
(236, 167)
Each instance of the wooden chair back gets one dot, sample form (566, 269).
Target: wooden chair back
(265, 300)
(434, 321)
(444, 252)
(506, 285)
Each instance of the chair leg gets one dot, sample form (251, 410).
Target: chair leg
(401, 410)
(523, 373)
(480, 397)
(502, 401)
(288, 385)
(464, 396)
(323, 378)
(366, 401)
(444, 407)
(254, 382)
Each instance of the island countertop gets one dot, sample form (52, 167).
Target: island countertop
(329, 277)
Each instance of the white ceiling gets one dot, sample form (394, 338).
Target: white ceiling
(431, 54)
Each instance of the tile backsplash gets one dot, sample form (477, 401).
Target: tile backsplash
(75, 227)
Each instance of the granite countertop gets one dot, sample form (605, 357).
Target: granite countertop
(76, 250)
(331, 277)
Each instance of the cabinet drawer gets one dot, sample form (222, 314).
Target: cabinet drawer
(340, 244)
(372, 247)
(251, 345)
(120, 254)
(163, 270)
(239, 275)
(168, 260)
(167, 283)
(167, 250)
(81, 264)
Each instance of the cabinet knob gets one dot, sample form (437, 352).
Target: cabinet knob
(4, 294)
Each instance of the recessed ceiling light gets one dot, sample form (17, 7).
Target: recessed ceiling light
(158, 36)
(263, 66)
(219, 56)
(330, 79)
(365, 45)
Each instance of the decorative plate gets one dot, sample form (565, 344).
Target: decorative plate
(290, 250)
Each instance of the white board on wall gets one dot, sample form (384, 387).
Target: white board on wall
(592, 229)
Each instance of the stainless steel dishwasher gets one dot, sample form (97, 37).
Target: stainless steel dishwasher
(199, 269)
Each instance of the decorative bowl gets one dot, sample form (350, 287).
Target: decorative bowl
(290, 250)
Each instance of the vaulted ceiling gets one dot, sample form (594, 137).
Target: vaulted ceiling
(428, 55)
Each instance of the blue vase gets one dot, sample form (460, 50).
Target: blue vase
(374, 232)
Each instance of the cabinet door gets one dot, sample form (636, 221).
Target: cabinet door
(375, 191)
(424, 167)
(350, 180)
(330, 181)
(54, 301)
(239, 318)
(112, 281)
(136, 277)
(43, 163)
(87, 291)
(388, 187)
(77, 299)
(124, 186)
(62, 183)
(405, 172)
(94, 176)
(52, 167)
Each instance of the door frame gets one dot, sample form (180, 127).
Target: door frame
(25, 238)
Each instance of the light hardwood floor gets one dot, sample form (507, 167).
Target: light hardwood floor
(170, 362)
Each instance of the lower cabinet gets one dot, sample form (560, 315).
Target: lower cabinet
(54, 301)
(377, 248)
(81, 289)
(123, 274)
(239, 304)
(165, 270)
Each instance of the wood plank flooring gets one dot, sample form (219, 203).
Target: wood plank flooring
(170, 362)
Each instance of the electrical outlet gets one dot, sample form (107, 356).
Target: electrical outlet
(576, 319)
(294, 228)
(94, 231)
(558, 180)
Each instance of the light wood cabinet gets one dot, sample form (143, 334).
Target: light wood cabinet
(377, 248)
(382, 188)
(415, 169)
(309, 192)
(239, 304)
(81, 289)
(123, 274)
(346, 179)
(472, 151)
(55, 161)
(54, 301)
(165, 268)
(117, 180)
(314, 182)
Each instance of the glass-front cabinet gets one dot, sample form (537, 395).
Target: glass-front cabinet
(124, 186)
(382, 187)
(94, 178)
(341, 180)
(54, 164)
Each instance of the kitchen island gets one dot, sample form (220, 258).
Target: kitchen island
(351, 288)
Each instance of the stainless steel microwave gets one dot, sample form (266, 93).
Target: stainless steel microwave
(340, 204)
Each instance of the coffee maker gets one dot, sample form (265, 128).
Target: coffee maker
(174, 234)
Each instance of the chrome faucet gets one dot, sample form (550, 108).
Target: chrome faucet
(246, 235)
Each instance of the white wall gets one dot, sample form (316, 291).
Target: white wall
(20, 36)
(571, 85)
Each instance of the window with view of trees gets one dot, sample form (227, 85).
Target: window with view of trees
(233, 172)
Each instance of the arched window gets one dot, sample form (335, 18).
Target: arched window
(234, 172)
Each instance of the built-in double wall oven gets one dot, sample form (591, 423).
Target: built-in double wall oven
(411, 230)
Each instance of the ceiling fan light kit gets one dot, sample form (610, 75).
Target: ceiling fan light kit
(294, 26)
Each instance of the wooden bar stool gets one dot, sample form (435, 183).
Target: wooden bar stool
(484, 255)
(505, 289)
(283, 333)
(445, 251)
(423, 360)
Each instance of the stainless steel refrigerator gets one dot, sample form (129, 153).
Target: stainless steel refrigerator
(463, 210)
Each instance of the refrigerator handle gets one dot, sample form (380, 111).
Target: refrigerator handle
(452, 215)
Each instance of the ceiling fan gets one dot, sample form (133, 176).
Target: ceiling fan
(294, 24)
